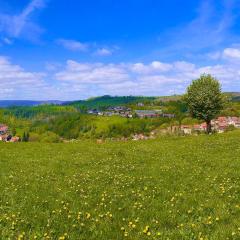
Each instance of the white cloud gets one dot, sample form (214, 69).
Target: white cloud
(92, 73)
(153, 67)
(73, 45)
(231, 53)
(16, 83)
(214, 55)
(103, 52)
(15, 26)
(78, 80)
(155, 78)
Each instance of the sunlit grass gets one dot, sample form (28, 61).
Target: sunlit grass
(170, 188)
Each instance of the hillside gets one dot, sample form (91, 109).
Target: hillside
(107, 101)
(102, 101)
(170, 188)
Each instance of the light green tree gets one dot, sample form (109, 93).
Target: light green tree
(205, 99)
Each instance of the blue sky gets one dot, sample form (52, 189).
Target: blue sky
(59, 49)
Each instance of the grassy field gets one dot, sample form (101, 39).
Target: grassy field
(170, 188)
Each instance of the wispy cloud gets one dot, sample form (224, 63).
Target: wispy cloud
(92, 48)
(17, 83)
(21, 25)
(231, 53)
(77, 80)
(103, 52)
(211, 28)
(73, 45)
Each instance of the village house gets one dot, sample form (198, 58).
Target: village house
(14, 139)
(147, 113)
(93, 111)
(118, 110)
(140, 104)
(168, 115)
(200, 127)
(3, 129)
(5, 136)
(222, 123)
(186, 129)
(219, 125)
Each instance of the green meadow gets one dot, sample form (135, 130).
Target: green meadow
(167, 188)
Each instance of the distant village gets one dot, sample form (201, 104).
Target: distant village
(129, 113)
(219, 125)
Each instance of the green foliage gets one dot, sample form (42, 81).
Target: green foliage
(134, 126)
(170, 188)
(40, 111)
(50, 137)
(204, 98)
(25, 137)
(108, 101)
(71, 122)
(71, 126)
(14, 131)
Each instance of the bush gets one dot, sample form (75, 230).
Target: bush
(50, 137)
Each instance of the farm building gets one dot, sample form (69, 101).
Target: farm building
(3, 129)
(148, 113)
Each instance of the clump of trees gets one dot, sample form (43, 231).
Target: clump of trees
(25, 137)
(205, 99)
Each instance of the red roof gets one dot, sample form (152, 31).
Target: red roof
(3, 128)
(222, 119)
(185, 126)
(235, 119)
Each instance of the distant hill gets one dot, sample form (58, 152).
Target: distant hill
(103, 101)
(169, 98)
(17, 103)
(107, 101)
(235, 96)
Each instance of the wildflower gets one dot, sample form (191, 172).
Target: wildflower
(146, 229)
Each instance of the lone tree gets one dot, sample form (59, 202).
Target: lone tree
(204, 99)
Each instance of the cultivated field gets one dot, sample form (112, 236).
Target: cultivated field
(170, 188)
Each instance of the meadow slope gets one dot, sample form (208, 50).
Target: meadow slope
(170, 188)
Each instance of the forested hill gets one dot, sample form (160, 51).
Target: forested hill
(103, 101)
(107, 101)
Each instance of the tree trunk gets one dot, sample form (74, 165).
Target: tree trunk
(209, 127)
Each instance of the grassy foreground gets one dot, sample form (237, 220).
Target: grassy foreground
(172, 188)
